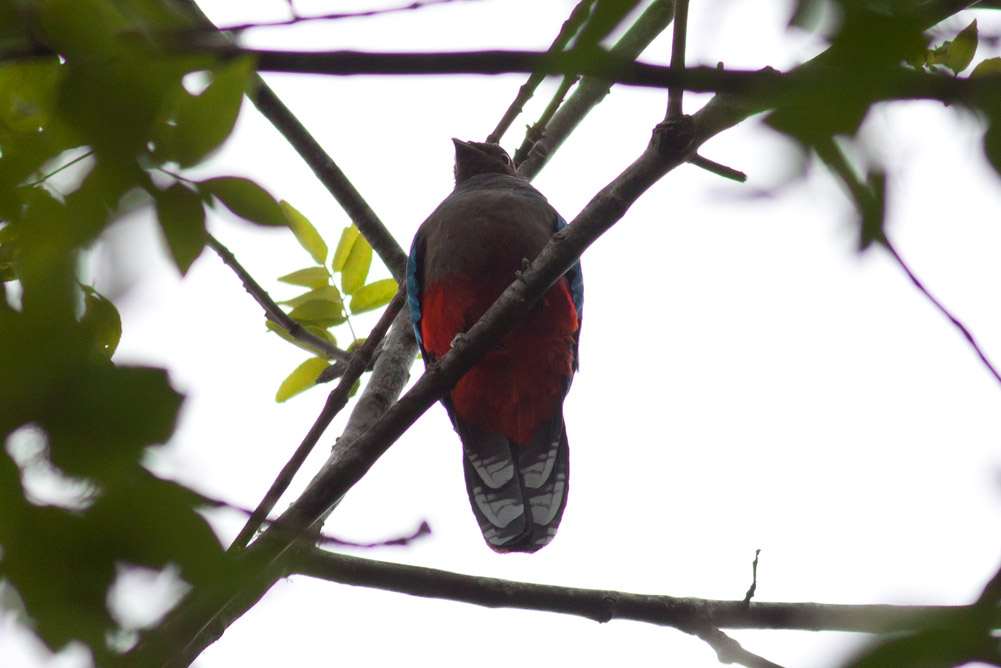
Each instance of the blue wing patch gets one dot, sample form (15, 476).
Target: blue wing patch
(414, 293)
(574, 276)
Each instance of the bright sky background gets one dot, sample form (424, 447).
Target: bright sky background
(747, 379)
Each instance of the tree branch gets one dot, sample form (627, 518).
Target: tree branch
(525, 93)
(323, 166)
(336, 400)
(678, 45)
(941, 309)
(690, 615)
(272, 310)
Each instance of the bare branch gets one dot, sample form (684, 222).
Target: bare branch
(272, 310)
(942, 309)
(592, 90)
(690, 615)
(538, 129)
(331, 176)
(729, 650)
(323, 166)
(678, 46)
(567, 31)
(718, 169)
(332, 16)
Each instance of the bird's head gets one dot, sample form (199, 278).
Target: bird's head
(474, 158)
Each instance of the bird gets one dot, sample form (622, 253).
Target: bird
(508, 408)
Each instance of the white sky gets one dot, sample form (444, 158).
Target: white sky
(748, 380)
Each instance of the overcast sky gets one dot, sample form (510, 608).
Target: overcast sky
(748, 380)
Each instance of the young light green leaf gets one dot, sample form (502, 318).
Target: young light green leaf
(204, 121)
(960, 52)
(322, 333)
(322, 312)
(348, 237)
(372, 296)
(985, 67)
(304, 231)
(303, 378)
(102, 317)
(182, 219)
(326, 293)
(355, 269)
(319, 331)
(246, 199)
(310, 277)
(279, 330)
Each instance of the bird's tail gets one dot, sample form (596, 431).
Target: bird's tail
(518, 492)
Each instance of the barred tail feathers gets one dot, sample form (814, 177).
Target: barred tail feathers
(517, 492)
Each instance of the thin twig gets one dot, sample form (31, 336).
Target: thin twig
(592, 90)
(729, 650)
(336, 400)
(678, 46)
(872, 230)
(570, 27)
(942, 309)
(754, 579)
(718, 169)
(272, 310)
(241, 27)
(324, 539)
(538, 130)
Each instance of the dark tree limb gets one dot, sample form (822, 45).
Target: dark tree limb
(691, 615)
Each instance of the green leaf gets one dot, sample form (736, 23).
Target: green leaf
(322, 333)
(356, 267)
(959, 53)
(373, 296)
(985, 67)
(326, 293)
(101, 316)
(348, 237)
(310, 277)
(304, 231)
(202, 122)
(303, 378)
(323, 312)
(182, 219)
(315, 329)
(246, 199)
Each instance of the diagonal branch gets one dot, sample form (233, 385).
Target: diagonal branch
(323, 166)
(272, 310)
(336, 400)
(942, 309)
(527, 90)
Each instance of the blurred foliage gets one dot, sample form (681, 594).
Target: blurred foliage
(875, 47)
(98, 117)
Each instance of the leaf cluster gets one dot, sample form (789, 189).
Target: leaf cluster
(322, 307)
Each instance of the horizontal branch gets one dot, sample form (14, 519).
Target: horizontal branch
(602, 605)
(769, 83)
